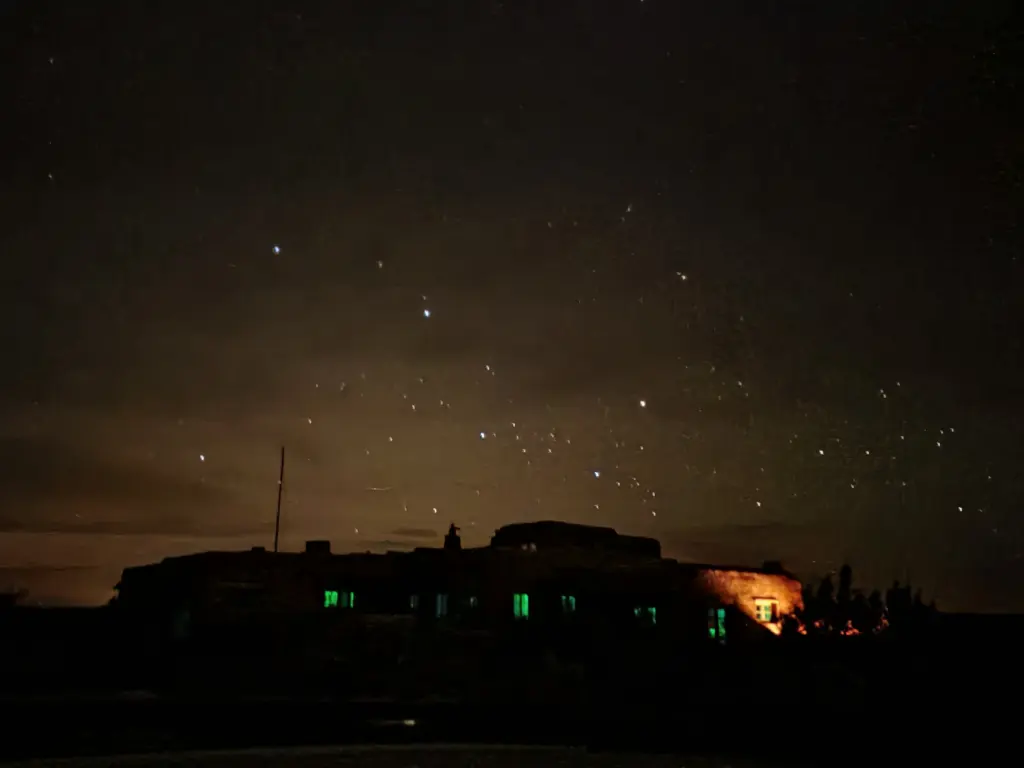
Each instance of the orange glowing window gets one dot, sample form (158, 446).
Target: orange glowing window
(766, 609)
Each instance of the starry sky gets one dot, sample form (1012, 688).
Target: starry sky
(744, 276)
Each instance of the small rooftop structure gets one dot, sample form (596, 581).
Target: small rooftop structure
(453, 542)
(318, 547)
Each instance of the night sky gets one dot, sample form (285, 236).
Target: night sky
(746, 277)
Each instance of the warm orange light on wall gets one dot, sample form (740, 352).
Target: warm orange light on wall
(746, 590)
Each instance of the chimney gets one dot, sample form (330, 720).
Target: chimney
(318, 547)
(453, 542)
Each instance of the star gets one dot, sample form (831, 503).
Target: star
(180, 332)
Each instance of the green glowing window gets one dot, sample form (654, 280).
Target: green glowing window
(473, 602)
(649, 614)
(414, 602)
(568, 604)
(441, 605)
(521, 605)
(333, 598)
(716, 624)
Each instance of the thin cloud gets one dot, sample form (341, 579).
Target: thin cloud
(386, 544)
(58, 585)
(52, 487)
(743, 543)
(416, 533)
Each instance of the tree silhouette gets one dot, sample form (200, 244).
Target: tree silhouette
(847, 612)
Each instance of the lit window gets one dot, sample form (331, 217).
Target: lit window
(766, 609)
(568, 604)
(473, 602)
(648, 614)
(716, 624)
(414, 602)
(330, 598)
(441, 605)
(521, 605)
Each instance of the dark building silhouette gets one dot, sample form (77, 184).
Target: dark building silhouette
(534, 576)
(453, 542)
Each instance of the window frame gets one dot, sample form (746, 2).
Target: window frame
(521, 605)
(772, 604)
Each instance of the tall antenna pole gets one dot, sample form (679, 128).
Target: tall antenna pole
(280, 488)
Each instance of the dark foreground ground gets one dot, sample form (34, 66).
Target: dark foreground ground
(747, 732)
(63, 726)
(953, 692)
(413, 756)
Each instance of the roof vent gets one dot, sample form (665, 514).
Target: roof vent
(318, 547)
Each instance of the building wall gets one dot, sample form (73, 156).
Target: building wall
(608, 594)
(743, 590)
